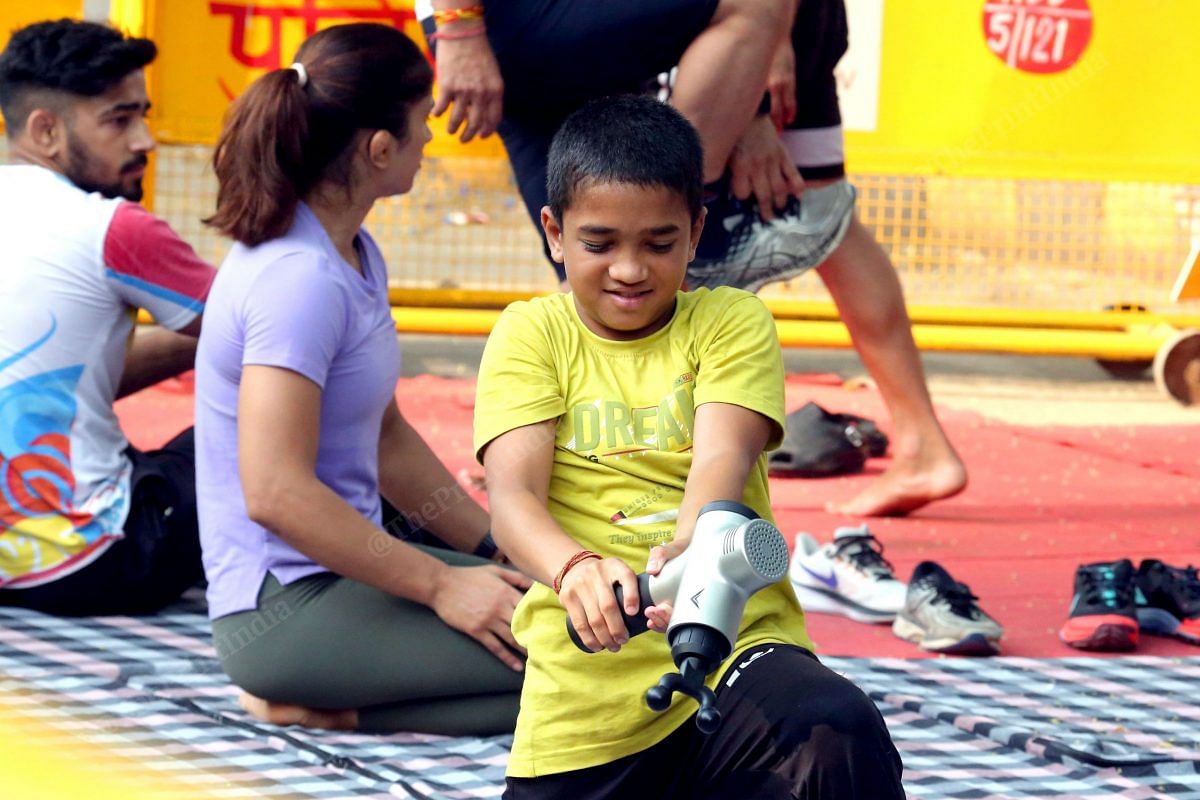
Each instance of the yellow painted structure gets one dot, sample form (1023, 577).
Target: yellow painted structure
(1111, 336)
(209, 52)
(15, 15)
(1187, 285)
(1109, 345)
(948, 106)
(1007, 199)
(18, 15)
(783, 308)
(988, 185)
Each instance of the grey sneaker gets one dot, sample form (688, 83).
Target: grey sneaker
(761, 252)
(940, 614)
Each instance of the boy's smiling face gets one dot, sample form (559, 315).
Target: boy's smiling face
(626, 249)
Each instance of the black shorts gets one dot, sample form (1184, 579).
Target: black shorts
(157, 559)
(790, 727)
(820, 38)
(556, 55)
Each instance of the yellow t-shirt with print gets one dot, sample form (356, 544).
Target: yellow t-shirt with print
(622, 452)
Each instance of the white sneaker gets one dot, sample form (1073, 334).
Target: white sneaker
(848, 576)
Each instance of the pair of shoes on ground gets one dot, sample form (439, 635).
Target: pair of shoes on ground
(850, 576)
(1113, 603)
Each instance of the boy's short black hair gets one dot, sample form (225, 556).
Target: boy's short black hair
(625, 139)
(77, 58)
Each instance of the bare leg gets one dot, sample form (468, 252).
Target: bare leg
(867, 292)
(285, 714)
(723, 71)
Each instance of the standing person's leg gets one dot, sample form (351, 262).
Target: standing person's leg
(527, 134)
(723, 72)
(865, 287)
(327, 651)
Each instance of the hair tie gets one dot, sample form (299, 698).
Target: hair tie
(301, 71)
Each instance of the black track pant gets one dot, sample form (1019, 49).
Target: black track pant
(791, 728)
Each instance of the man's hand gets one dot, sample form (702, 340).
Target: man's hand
(479, 601)
(469, 80)
(781, 85)
(760, 165)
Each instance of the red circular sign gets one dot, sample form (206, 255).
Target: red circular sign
(1037, 35)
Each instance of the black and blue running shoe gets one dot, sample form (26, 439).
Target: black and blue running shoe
(1168, 600)
(1103, 615)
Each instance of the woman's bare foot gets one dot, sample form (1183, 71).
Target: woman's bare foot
(285, 714)
(906, 486)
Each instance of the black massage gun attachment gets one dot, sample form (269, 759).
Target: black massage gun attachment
(697, 650)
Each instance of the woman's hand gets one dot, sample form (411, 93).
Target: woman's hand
(588, 596)
(479, 601)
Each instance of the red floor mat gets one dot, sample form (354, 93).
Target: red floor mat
(1041, 501)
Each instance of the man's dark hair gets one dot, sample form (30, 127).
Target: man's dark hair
(625, 139)
(77, 58)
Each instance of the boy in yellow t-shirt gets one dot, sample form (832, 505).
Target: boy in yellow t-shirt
(606, 418)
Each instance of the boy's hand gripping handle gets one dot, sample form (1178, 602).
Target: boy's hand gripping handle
(732, 555)
(652, 589)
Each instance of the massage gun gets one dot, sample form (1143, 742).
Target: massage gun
(733, 554)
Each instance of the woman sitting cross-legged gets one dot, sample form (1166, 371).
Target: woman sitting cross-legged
(319, 615)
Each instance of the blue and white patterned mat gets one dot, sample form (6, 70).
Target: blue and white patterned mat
(151, 689)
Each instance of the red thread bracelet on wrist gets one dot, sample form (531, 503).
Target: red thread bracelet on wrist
(572, 562)
(470, 33)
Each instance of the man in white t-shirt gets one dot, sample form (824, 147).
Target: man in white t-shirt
(88, 524)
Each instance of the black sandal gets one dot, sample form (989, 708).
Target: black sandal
(819, 444)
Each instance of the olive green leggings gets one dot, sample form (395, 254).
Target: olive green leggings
(329, 642)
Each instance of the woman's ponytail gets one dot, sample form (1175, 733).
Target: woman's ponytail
(293, 128)
(259, 160)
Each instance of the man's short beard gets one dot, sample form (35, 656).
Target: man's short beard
(78, 161)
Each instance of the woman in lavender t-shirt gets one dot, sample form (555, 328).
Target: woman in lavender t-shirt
(319, 615)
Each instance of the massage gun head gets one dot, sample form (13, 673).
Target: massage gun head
(764, 551)
(733, 554)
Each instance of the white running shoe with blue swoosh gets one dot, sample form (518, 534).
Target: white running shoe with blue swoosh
(848, 576)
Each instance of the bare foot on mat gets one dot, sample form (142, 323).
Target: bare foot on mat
(285, 714)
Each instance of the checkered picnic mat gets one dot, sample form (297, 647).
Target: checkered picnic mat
(151, 689)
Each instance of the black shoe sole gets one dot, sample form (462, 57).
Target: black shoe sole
(974, 645)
